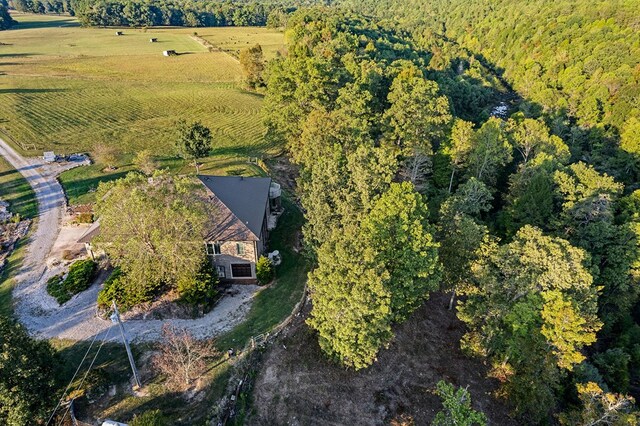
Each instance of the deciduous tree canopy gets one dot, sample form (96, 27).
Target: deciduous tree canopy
(153, 230)
(27, 376)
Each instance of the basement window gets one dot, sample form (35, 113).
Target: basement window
(221, 272)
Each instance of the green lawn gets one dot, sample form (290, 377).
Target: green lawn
(234, 39)
(15, 190)
(6, 277)
(22, 200)
(275, 303)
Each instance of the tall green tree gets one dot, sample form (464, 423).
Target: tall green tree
(530, 200)
(351, 305)
(490, 151)
(587, 217)
(397, 226)
(342, 172)
(27, 376)
(252, 63)
(531, 312)
(372, 275)
(418, 119)
(461, 234)
(531, 137)
(458, 147)
(153, 230)
(193, 141)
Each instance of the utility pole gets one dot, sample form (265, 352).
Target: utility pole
(115, 318)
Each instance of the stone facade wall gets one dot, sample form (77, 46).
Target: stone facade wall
(229, 255)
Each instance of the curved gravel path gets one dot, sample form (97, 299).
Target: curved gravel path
(76, 319)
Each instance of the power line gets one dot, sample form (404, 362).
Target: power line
(72, 379)
(104, 339)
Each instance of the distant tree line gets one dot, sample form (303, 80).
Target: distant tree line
(141, 13)
(42, 6)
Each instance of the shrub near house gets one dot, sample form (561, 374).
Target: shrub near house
(264, 270)
(79, 278)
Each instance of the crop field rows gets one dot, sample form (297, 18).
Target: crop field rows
(69, 116)
(66, 88)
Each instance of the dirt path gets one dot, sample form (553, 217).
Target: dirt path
(77, 319)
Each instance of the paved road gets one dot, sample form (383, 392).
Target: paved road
(76, 319)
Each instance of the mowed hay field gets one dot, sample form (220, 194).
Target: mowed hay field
(67, 88)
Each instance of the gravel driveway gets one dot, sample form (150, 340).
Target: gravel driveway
(76, 319)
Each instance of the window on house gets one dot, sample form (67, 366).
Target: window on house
(241, 270)
(221, 272)
(240, 248)
(213, 248)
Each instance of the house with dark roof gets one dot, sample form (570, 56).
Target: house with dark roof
(241, 210)
(240, 229)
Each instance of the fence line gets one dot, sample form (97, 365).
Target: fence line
(228, 402)
(25, 147)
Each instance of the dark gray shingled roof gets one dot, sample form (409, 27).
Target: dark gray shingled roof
(90, 233)
(246, 198)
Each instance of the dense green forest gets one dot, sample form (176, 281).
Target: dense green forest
(577, 63)
(410, 185)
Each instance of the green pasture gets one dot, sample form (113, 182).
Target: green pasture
(15, 190)
(66, 88)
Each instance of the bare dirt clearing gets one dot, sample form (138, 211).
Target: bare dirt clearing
(297, 385)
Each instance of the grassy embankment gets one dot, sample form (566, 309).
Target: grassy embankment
(67, 89)
(15, 190)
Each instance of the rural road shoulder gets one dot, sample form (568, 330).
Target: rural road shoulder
(76, 319)
(51, 204)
